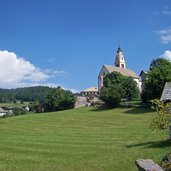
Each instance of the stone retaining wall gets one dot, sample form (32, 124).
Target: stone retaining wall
(80, 102)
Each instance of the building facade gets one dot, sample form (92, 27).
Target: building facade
(119, 66)
(143, 76)
(90, 91)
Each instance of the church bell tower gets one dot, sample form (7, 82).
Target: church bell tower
(120, 61)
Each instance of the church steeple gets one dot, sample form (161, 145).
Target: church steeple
(120, 61)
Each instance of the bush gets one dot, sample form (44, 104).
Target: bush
(166, 162)
(111, 95)
(59, 99)
(144, 96)
(161, 119)
(19, 111)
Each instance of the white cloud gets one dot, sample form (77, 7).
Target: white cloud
(55, 73)
(51, 60)
(164, 31)
(166, 54)
(18, 72)
(165, 39)
(165, 35)
(166, 12)
(72, 90)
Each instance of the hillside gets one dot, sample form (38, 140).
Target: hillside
(79, 139)
(24, 94)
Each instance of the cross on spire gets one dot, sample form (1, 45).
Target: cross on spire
(119, 47)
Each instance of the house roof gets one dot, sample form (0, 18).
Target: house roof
(143, 72)
(123, 71)
(2, 110)
(166, 94)
(91, 89)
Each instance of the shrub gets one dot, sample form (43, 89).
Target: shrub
(161, 119)
(111, 95)
(59, 99)
(166, 162)
(19, 111)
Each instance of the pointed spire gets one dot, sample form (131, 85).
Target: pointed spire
(119, 48)
(118, 44)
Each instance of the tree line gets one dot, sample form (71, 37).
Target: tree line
(29, 94)
(41, 98)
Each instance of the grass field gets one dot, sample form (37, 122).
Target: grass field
(82, 139)
(18, 104)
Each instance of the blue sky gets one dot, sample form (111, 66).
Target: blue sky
(66, 42)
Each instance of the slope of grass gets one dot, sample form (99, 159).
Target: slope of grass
(17, 104)
(81, 139)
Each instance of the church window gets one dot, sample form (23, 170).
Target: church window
(122, 65)
(104, 73)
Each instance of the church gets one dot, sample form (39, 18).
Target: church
(119, 66)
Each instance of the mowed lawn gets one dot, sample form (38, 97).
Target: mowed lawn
(80, 140)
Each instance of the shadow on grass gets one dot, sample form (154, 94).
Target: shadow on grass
(133, 107)
(129, 110)
(139, 110)
(101, 108)
(152, 144)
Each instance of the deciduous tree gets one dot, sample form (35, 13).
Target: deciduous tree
(117, 87)
(59, 99)
(159, 73)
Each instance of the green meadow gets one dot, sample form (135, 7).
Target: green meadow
(17, 104)
(84, 139)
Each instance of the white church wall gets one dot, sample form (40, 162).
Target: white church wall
(138, 81)
(101, 76)
(119, 63)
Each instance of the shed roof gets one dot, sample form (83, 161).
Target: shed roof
(143, 72)
(166, 94)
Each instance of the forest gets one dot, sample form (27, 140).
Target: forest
(29, 94)
(40, 98)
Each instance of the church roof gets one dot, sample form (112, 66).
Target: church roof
(123, 71)
(166, 95)
(91, 89)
